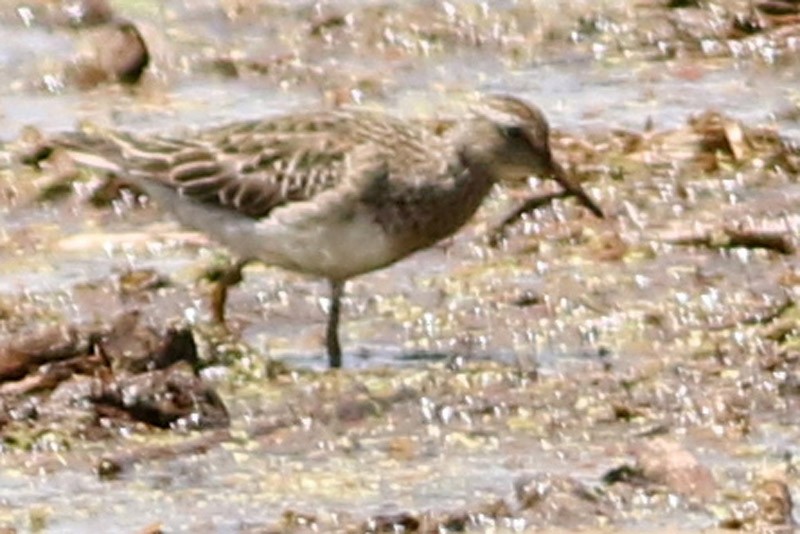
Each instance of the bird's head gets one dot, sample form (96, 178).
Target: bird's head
(510, 140)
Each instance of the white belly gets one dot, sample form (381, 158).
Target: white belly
(337, 249)
(320, 238)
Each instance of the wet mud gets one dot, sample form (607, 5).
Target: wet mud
(542, 370)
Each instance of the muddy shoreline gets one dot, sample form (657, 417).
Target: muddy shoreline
(558, 373)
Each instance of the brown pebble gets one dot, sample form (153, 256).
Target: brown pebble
(131, 346)
(120, 55)
(774, 502)
(23, 355)
(667, 462)
(124, 54)
(108, 469)
(162, 398)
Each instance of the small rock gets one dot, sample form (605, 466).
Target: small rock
(666, 462)
(164, 398)
(136, 348)
(124, 55)
(108, 469)
(774, 502)
(21, 356)
(120, 55)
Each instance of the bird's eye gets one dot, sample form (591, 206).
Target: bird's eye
(513, 132)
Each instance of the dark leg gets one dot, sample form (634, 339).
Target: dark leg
(224, 279)
(530, 204)
(332, 334)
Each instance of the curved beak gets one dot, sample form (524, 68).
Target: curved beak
(573, 188)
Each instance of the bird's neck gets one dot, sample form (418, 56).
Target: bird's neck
(420, 215)
(461, 197)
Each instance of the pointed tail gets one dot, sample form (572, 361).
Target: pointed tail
(94, 149)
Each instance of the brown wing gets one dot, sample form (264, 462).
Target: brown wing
(253, 167)
(251, 174)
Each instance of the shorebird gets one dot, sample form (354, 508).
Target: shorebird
(333, 194)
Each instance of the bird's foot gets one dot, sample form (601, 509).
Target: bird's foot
(223, 277)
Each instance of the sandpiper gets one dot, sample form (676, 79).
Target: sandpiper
(333, 194)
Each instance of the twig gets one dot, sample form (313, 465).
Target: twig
(532, 203)
(733, 236)
(756, 238)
